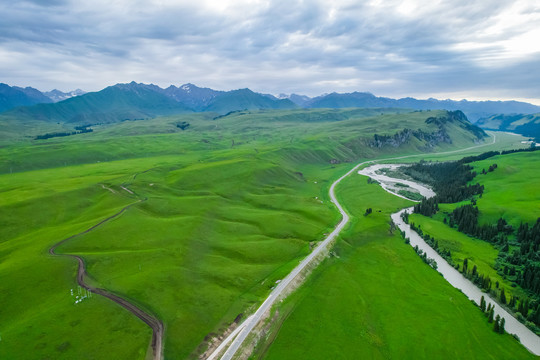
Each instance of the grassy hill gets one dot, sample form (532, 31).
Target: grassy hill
(221, 211)
(524, 124)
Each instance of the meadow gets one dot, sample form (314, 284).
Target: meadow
(221, 211)
(511, 193)
(375, 298)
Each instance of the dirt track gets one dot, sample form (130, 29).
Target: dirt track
(155, 324)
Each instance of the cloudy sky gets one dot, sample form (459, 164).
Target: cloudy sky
(475, 49)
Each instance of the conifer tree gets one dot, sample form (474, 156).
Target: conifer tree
(496, 323)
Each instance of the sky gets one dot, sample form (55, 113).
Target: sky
(474, 49)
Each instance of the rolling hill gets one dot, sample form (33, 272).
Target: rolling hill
(524, 124)
(219, 212)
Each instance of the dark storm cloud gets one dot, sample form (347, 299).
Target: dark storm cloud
(388, 47)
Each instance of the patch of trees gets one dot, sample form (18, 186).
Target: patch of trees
(532, 148)
(449, 181)
(78, 130)
(182, 125)
(368, 211)
(483, 156)
(498, 322)
(528, 257)
(227, 114)
(427, 207)
(466, 219)
(487, 155)
(431, 262)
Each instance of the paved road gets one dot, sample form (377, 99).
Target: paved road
(237, 337)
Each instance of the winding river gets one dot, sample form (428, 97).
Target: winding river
(529, 339)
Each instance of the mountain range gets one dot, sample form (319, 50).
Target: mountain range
(137, 101)
(57, 95)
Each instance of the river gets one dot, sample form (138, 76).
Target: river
(529, 339)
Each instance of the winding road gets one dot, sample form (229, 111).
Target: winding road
(155, 324)
(238, 336)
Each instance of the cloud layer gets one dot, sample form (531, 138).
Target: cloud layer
(482, 49)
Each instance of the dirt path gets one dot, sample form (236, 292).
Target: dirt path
(155, 324)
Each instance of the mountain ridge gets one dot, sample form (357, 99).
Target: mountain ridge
(189, 97)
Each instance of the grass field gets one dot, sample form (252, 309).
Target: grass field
(229, 206)
(377, 299)
(511, 193)
(478, 252)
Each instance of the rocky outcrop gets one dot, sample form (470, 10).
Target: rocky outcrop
(433, 138)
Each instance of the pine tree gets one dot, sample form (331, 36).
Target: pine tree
(501, 326)
(525, 308)
(503, 296)
(483, 304)
(490, 317)
(496, 324)
(512, 302)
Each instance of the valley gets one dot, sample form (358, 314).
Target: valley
(289, 180)
(229, 207)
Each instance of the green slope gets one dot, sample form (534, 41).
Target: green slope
(524, 124)
(376, 299)
(231, 206)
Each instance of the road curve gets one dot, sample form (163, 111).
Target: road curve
(155, 324)
(240, 334)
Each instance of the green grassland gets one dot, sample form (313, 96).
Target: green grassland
(511, 193)
(477, 252)
(376, 299)
(222, 210)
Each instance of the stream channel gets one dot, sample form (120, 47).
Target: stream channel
(529, 339)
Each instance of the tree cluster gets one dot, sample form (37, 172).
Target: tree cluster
(466, 219)
(449, 181)
(498, 322)
(182, 125)
(78, 130)
(431, 262)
